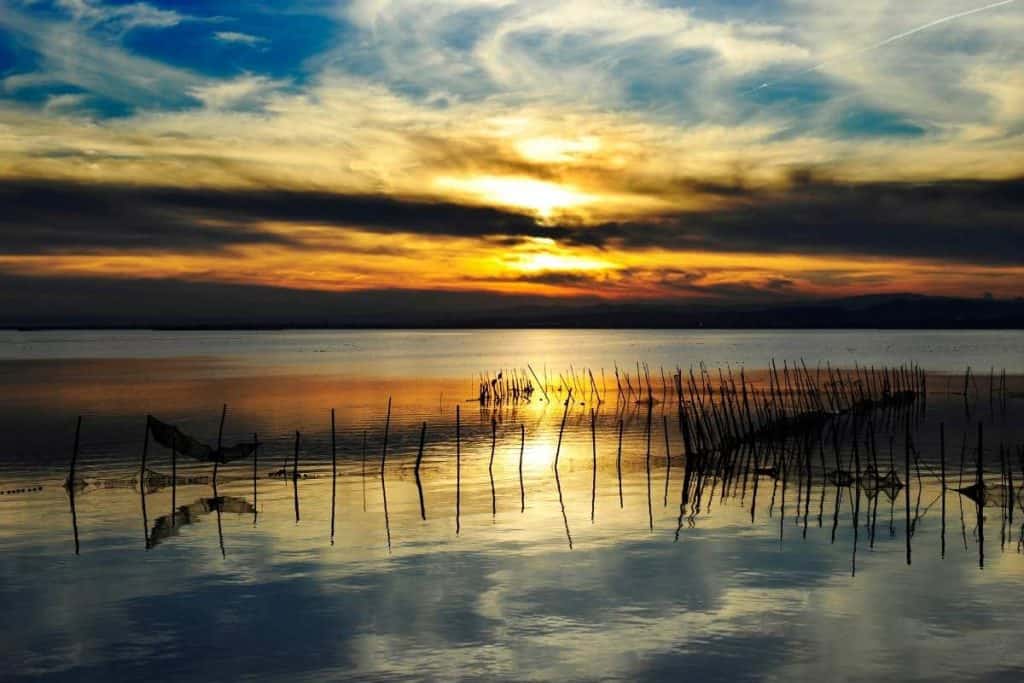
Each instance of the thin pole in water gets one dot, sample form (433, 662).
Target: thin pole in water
(979, 478)
(74, 518)
(384, 451)
(174, 479)
(255, 459)
(942, 474)
(334, 474)
(458, 473)
(981, 499)
(618, 465)
(650, 510)
(220, 437)
(142, 465)
(383, 481)
(419, 460)
(565, 414)
(490, 466)
(364, 470)
(1011, 492)
(593, 485)
(70, 481)
(668, 459)
(561, 502)
(142, 484)
(522, 448)
(906, 497)
(295, 476)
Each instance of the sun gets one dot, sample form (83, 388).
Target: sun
(540, 197)
(548, 262)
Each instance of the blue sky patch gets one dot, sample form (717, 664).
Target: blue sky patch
(869, 122)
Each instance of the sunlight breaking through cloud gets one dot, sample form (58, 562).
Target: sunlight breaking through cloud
(627, 127)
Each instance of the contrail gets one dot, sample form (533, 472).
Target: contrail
(887, 41)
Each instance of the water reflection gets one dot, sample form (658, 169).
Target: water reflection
(170, 526)
(737, 581)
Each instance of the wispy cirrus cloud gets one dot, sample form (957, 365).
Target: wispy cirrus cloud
(121, 18)
(64, 54)
(239, 38)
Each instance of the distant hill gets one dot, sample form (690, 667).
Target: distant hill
(897, 311)
(175, 305)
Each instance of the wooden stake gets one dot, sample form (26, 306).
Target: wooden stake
(979, 467)
(981, 499)
(593, 444)
(295, 476)
(142, 465)
(458, 473)
(618, 464)
(334, 474)
(419, 460)
(384, 450)
(543, 389)
(668, 459)
(69, 483)
(522, 448)
(142, 485)
(364, 470)
(174, 481)
(565, 414)
(220, 438)
(906, 453)
(942, 475)
(255, 459)
(490, 467)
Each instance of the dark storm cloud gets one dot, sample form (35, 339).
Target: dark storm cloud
(53, 217)
(959, 221)
(967, 221)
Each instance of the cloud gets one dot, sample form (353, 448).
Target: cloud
(124, 17)
(64, 102)
(902, 35)
(811, 216)
(65, 54)
(52, 218)
(665, 284)
(815, 239)
(624, 133)
(239, 38)
(244, 91)
(956, 221)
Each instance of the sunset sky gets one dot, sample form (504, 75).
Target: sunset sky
(624, 150)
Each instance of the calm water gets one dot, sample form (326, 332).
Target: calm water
(599, 572)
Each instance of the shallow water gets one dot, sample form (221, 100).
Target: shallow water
(582, 572)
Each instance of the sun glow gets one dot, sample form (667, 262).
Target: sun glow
(543, 262)
(557, 150)
(541, 197)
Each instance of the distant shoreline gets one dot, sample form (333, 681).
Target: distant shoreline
(416, 328)
(874, 312)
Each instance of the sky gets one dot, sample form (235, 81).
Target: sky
(510, 150)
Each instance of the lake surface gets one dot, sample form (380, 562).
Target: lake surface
(771, 568)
